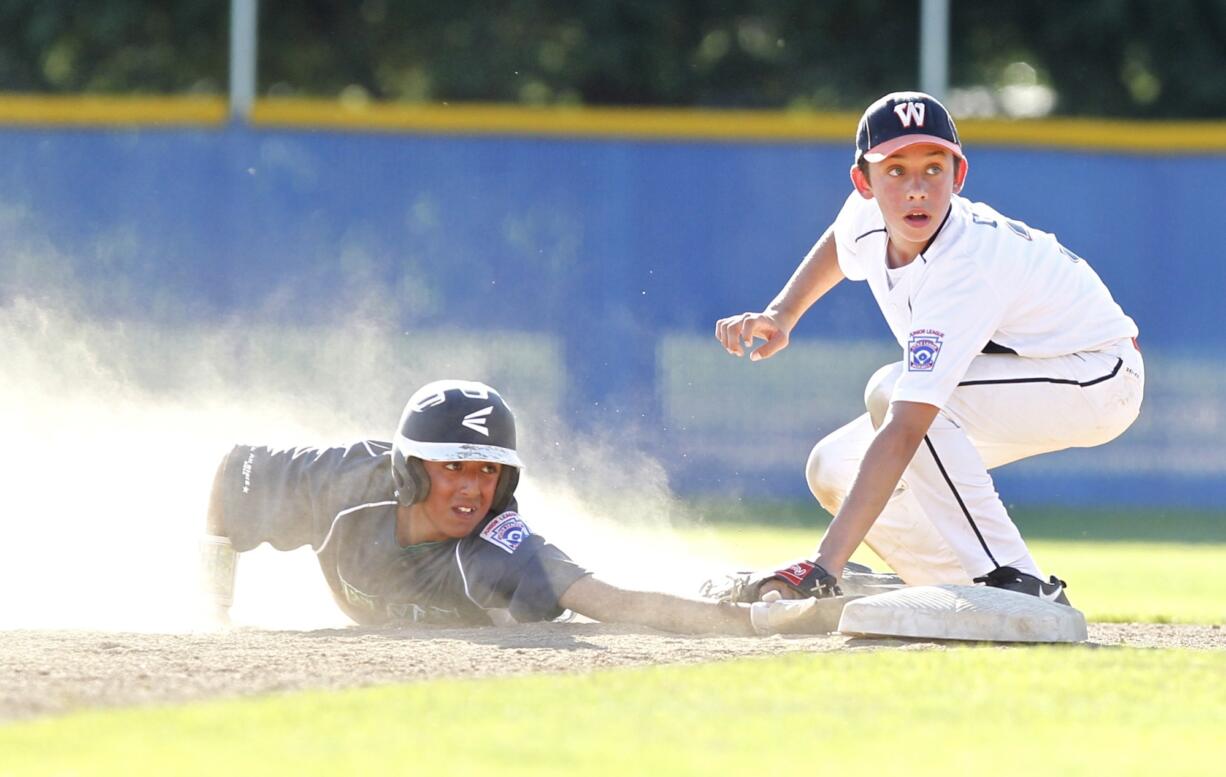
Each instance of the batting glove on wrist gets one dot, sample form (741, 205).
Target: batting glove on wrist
(810, 579)
(747, 586)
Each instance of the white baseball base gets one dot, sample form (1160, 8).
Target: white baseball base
(962, 612)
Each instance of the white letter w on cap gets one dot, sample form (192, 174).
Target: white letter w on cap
(476, 420)
(909, 112)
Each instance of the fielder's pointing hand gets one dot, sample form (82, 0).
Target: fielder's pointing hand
(737, 332)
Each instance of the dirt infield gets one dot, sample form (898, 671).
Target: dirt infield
(53, 672)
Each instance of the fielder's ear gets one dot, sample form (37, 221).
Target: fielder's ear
(860, 181)
(960, 176)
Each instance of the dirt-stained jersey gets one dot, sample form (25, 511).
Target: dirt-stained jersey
(985, 283)
(341, 501)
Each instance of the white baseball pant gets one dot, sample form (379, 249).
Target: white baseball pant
(945, 522)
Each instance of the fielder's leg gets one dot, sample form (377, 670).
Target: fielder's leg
(1007, 408)
(902, 536)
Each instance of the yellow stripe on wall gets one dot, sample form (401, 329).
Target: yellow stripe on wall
(596, 122)
(111, 110)
(751, 126)
(480, 119)
(1098, 134)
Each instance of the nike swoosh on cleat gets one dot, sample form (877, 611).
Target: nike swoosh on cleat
(1054, 596)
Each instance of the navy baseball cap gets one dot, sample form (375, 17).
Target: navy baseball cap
(902, 119)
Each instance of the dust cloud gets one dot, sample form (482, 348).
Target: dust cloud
(112, 431)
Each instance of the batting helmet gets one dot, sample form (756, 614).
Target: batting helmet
(454, 420)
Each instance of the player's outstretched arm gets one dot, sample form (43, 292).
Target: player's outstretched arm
(218, 559)
(607, 603)
(218, 562)
(817, 274)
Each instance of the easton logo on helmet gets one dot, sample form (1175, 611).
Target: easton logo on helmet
(476, 420)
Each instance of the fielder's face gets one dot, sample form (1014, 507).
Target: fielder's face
(913, 187)
(461, 493)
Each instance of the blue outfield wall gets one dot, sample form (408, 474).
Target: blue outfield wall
(626, 252)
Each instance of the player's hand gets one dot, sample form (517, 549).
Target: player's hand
(736, 333)
(779, 590)
(776, 615)
(216, 617)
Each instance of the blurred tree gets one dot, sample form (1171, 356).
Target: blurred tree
(1144, 58)
(755, 53)
(113, 46)
(1147, 58)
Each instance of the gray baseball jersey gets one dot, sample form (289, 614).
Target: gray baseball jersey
(341, 501)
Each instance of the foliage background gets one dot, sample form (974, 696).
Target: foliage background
(1120, 58)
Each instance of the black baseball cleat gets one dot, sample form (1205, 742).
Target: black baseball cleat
(1011, 579)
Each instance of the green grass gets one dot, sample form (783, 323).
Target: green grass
(1142, 582)
(1180, 526)
(1124, 524)
(973, 711)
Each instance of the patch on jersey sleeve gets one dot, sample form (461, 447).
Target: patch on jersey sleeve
(506, 531)
(923, 349)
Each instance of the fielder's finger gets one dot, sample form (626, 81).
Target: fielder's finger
(761, 330)
(732, 336)
(773, 345)
(780, 591)
(752, 328)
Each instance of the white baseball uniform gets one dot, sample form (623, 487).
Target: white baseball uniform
(1021, 346)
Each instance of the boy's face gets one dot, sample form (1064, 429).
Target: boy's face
(913, 187)
(461, 493)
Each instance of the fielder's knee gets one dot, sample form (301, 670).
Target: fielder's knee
(825, 475)
(879, 390)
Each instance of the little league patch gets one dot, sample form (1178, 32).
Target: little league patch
(923, 349)
(506, 531)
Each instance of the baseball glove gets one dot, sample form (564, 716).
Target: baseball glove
(857, 580)
(803, 577)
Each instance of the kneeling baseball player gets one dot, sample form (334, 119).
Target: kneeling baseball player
(425, 529)
(1012, 347)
